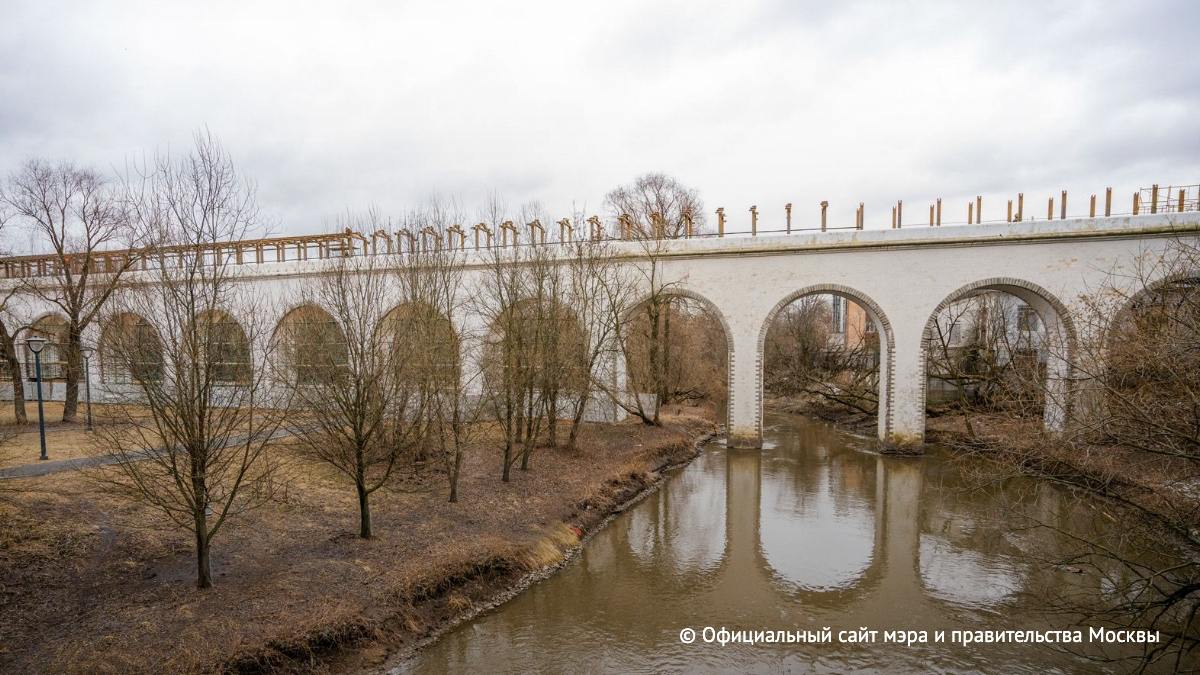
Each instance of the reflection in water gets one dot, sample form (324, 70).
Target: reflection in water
(684, 527)
(817, 516)
(811, 532)
(959, 575)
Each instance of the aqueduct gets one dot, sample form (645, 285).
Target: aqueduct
(901, 277)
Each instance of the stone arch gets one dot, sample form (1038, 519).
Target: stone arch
(887, 363)
(713, 310)
(1054, 316)
(229, 344)
(130, 350)
(52, 326)
(448, 358)
(306, 340)
(1130, 303)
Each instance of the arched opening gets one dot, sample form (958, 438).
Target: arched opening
(825, 350)
(999, 350)
(535, 360)
(130, 351)
(225, 345)
(53, 328)
(311, 345)
(429, 343)
(1146, 378)
(676, 349)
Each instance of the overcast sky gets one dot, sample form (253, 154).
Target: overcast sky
(329, 106)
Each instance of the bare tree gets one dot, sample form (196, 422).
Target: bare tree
(8, 346)
(355, 402)
(432, 281)
(80, 215)
(651, 209)
(8, 352)
(984, 348)
(656, 206)
(528, 336)
(804, 354)
(597, 285)
(191, 438)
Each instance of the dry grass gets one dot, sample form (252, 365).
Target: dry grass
(90, 582)
(64, 440)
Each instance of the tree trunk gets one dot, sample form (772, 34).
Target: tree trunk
(577, 421)
(364, 512)
(454, 473)
(71, 374)
(200, 520)
(525, 451)
(655, 355)
(665, 384)
(203, 568)
(14, 374)
(552, 420)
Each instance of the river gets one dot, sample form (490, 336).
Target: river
(813, 531)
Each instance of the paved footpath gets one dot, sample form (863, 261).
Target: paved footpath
(56, 465)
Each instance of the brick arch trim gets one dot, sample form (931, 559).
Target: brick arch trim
(1147, 289)
(1003, 284)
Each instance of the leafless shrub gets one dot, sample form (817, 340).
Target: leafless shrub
(79, 214)
(191, 434)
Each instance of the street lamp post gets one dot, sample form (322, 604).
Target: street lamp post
(35, 345)
(87, 379)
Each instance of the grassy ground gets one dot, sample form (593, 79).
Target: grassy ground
(64, 440)
(90, 582)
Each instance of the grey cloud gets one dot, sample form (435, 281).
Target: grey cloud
(762, 102)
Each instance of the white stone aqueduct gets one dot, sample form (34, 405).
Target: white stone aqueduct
(902, 277)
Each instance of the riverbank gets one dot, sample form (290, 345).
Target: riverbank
(92, 583)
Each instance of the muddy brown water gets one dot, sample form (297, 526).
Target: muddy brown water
(813, 531)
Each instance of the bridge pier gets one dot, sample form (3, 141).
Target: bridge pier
(906, 427)
(744, 424)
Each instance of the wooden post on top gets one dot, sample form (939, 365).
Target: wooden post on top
(753, 221)
(788, 207)
(939, 212)
(1107, 202)
(1137, 202)
(1063, 206)
(931, 209)
(1020, 206)
(978, 208)
(721, 221)
(1092, 207)
(893, 217)
(505, 228)
(1154, 198)
(861, 215)
(1010, 210)
(970, 213)
(1050, 209)
(824, 214)
(899, 213)
(1181, 194)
